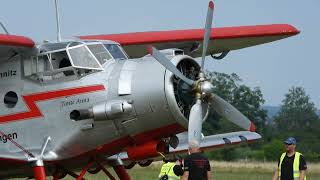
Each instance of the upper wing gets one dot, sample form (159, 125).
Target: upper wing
(225, 39)
(10, 45)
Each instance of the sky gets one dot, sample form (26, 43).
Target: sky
(274, 67)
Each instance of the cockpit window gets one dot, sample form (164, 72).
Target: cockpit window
(82, 58)
(70, 60)
(66, 63)
(100, 52)
(115, 51)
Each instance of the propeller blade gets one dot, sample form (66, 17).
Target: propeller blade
(195, 122)
(162, 59)
(207, 32)
(229, 112)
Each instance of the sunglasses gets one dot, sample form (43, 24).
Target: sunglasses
(288, 144)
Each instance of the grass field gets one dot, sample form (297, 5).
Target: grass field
(221, 171)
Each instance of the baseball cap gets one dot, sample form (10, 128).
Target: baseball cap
(290, 140)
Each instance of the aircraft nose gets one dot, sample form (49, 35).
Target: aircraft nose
(180, 94)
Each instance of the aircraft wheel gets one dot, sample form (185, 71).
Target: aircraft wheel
(94, 171)
(129, 166)
(61, 174)
(145, 163)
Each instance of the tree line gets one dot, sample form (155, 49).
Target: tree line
(297, 117)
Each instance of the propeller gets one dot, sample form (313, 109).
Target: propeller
(203, 91)
(195, 122)
(162, 59)
(229, 112)
(207, 32)
(196, 113)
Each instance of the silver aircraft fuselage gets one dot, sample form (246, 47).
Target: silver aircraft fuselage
(129, 102)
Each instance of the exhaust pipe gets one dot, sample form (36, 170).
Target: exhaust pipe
(106, 111)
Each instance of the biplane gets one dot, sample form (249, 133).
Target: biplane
(115, 99)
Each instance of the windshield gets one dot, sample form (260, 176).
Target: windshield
(99, 52)
(115, 51)
(81, 57)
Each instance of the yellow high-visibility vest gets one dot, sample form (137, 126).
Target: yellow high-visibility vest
(167, 169)
(296, 162)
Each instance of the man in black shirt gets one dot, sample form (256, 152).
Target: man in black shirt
(291, 165)
(196, 165)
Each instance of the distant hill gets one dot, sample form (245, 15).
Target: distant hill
(273, 110)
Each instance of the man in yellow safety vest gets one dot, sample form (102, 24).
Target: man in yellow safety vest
(291, 165)
(171, 169)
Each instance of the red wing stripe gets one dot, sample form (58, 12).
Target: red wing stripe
(31, 100)
(13, 40)
(197, 34)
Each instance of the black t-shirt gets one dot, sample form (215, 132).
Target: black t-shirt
(177, 169)
(197, 165)
(287, 167)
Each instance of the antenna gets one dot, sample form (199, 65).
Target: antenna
(58, 23)
(4, 28)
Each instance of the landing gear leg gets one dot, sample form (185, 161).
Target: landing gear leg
(120, 170)
(61, 172)
(84, 170)
(116, 164)
(38, 170)
(105, 171)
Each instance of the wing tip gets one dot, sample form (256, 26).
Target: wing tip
(252, 127)
(293, 30)
(286, 29)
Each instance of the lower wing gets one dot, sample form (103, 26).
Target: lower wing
(208, 143)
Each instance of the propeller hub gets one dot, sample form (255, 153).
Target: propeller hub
(206, 87)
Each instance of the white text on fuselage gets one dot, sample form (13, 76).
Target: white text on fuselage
(8, 73)
(73, 102)
(6, 137)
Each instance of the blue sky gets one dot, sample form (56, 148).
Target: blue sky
(273, 67)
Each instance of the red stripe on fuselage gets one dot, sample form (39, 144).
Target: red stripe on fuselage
(31, 99)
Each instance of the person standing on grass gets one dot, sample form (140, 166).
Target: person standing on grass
(291, 165)
(171, 169)
(196, 165)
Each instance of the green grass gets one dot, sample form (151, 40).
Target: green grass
(220, 170)
(139, 174)
(152, 173)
